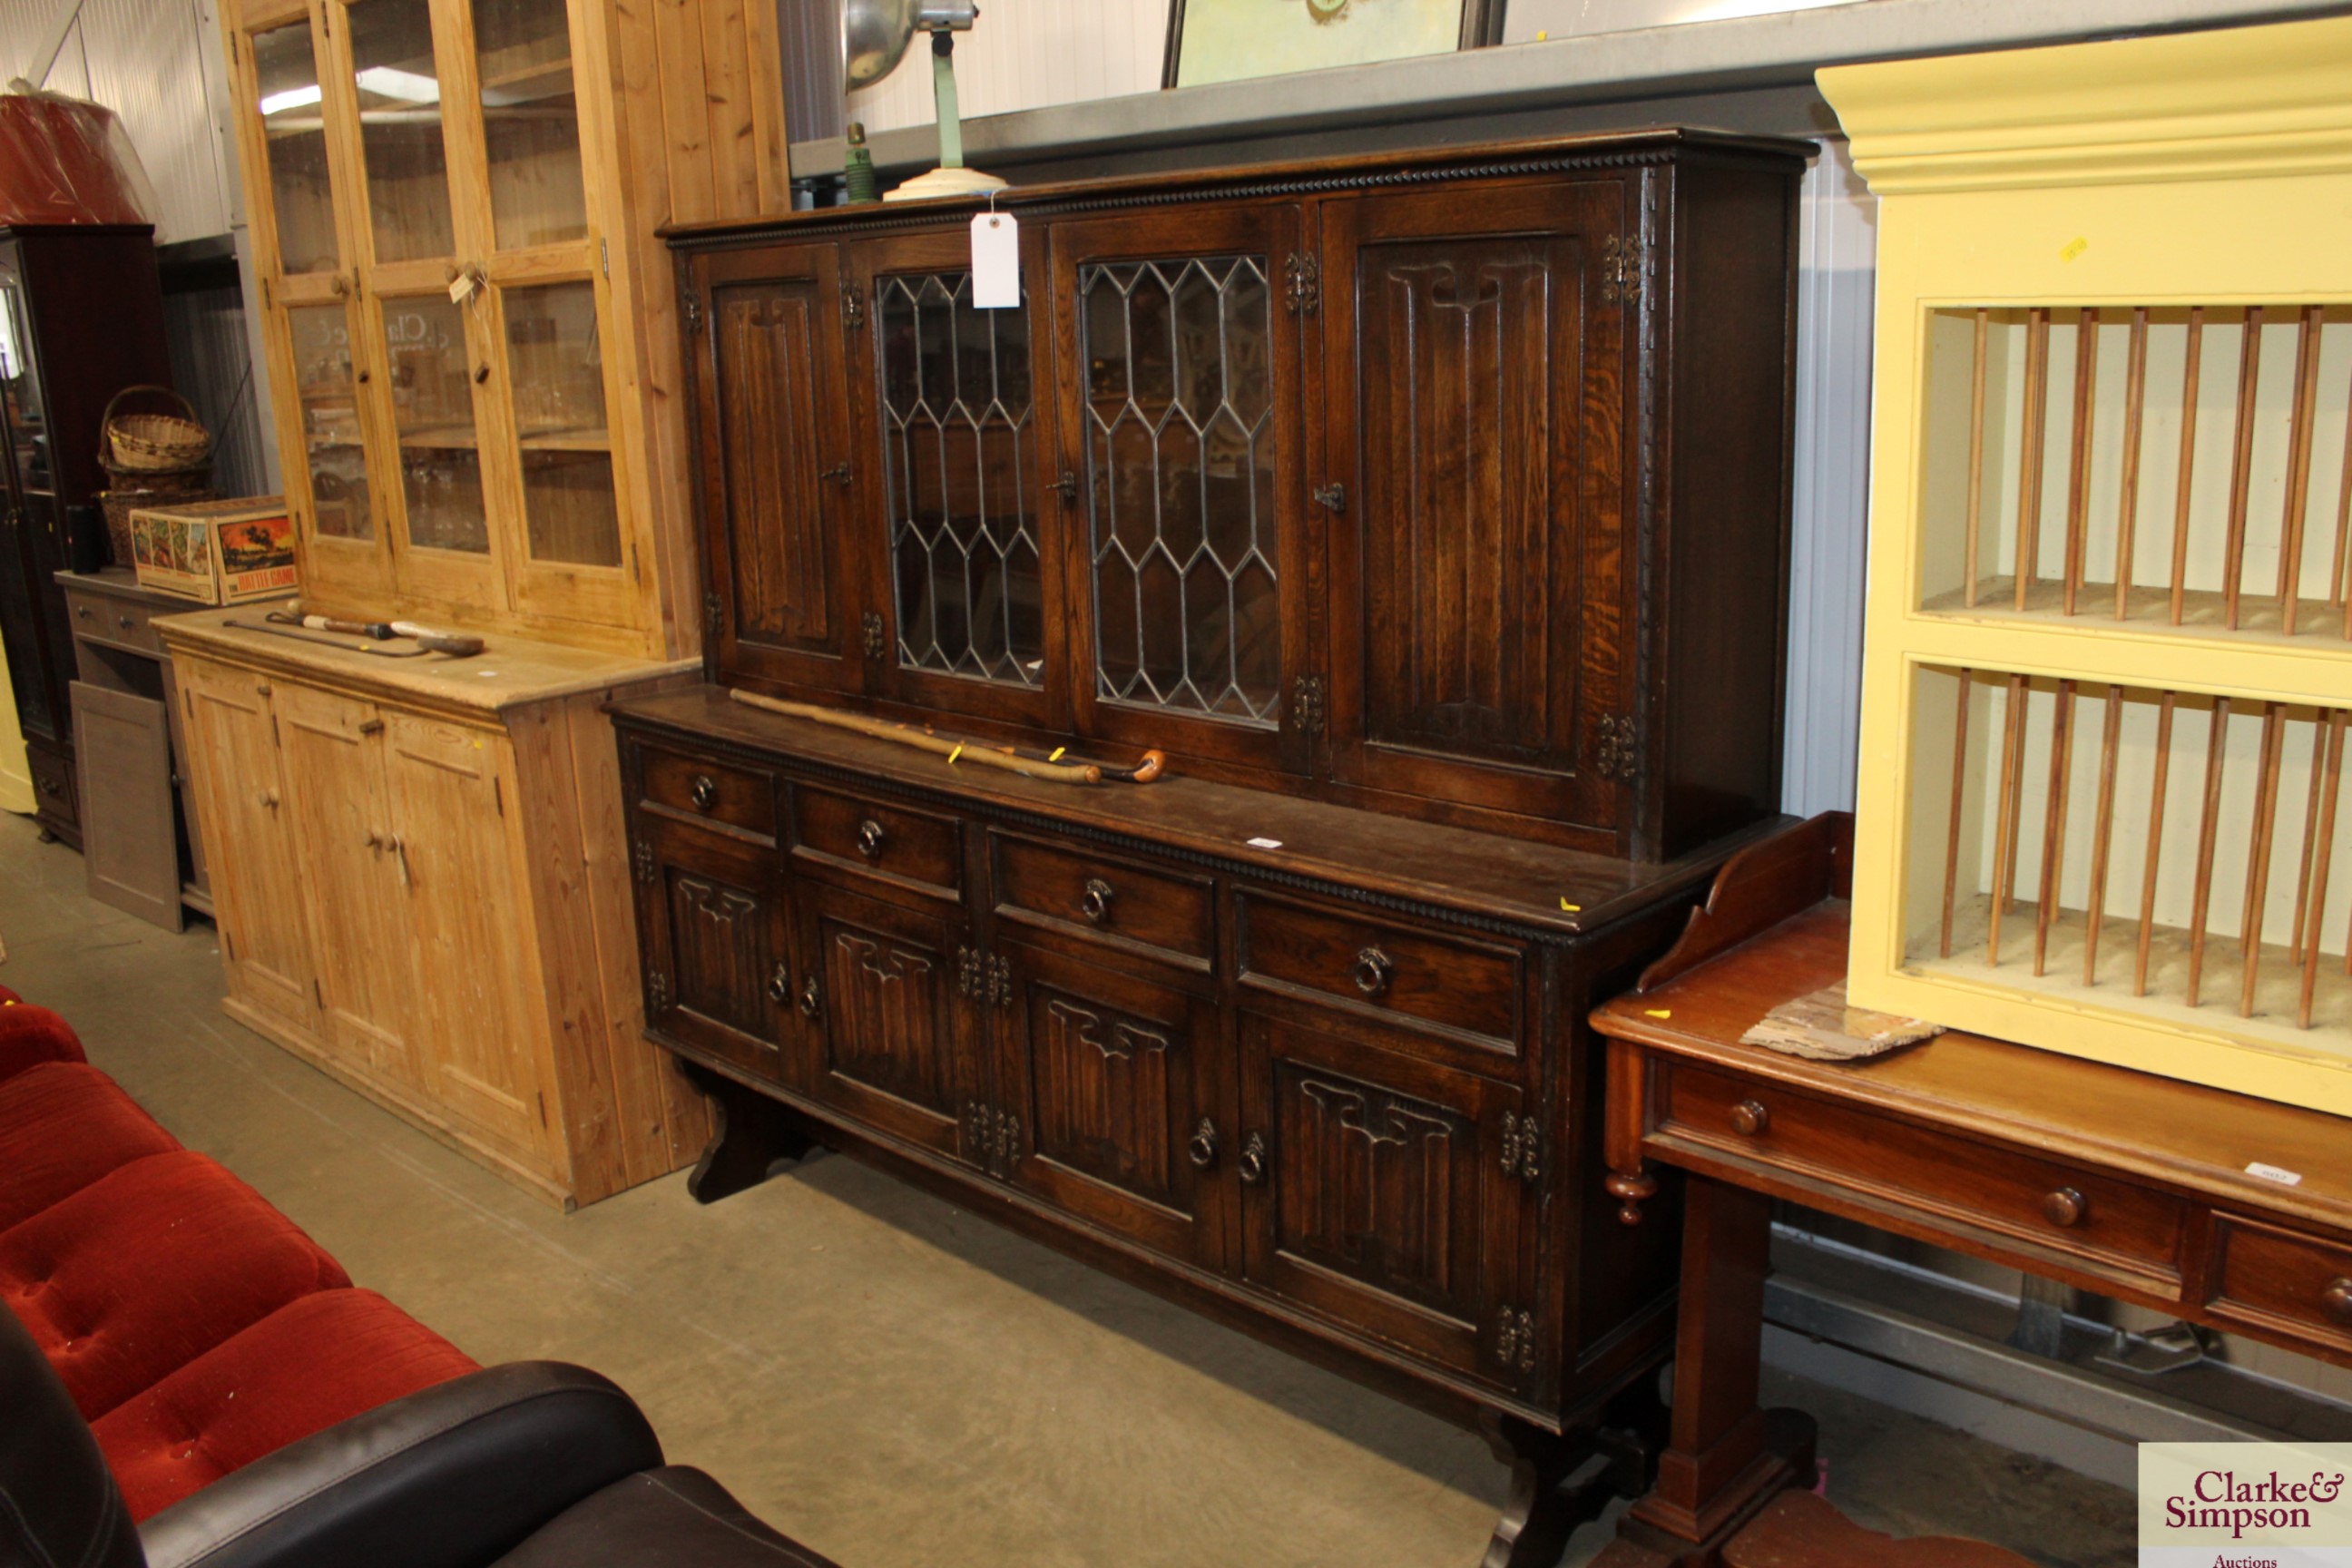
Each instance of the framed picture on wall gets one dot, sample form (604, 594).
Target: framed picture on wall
(1233, 40)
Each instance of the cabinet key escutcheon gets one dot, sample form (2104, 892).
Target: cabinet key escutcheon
(839, 474)
(1252, 1164)
(704, 793)
(1067, 487)
(1372, 971)
(1096, 900)
(1332, 498)
(1749, 1119)
(870, 839)
(2067, 1207)
(1202, 1149)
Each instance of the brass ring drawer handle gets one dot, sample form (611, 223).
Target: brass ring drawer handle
(1202, 1149)
(1252, 1161)
(2336, 1300)
(870, 839)
(705, 792)
(1749, 1119)
(1372, 971)
(811, 998)
(2067, 1207)
(1095, 902)
(780, 985)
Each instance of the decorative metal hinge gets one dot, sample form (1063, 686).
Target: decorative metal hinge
(656, 992)
(971, 963)
(1008, 1142)
(999, 981)
(641, 858)
(876, 635)
(1302, 284)
(853, 305)
(714, 612)
(1515, 1340)
(1624, 267)
(1616, 756)
(979, 1132)
(1307, 704)
(1522, 1147)
(689, 306)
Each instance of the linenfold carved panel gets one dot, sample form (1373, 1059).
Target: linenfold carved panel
(1101, 1077)
(716, 933)
(887, 1029)
(766, 364)
(1376, 1186)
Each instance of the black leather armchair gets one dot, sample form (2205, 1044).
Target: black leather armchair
(529, 1465)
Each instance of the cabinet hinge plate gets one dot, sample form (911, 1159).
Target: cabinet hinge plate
(876, 635)
(1515, 1338)
(1614, 753)
(689, 306)
(1302, 284)
(1522, 1148)
(656, 992)
(714, 612)
(1625, 269)
(853, 305)
(1307, 704)
(642, 859)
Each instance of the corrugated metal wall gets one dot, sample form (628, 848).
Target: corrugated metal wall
(204, 330)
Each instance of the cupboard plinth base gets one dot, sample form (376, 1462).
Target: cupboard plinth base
(749, 1134)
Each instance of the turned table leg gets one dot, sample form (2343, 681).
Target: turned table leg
(749, 1133)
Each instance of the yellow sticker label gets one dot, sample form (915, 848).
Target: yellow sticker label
(1571, 909)
(1657, 1011)
(953, 755)
(2073, 248)
(1057, 753)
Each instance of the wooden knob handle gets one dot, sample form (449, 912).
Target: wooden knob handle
(2336, 1300)
(1749, 1119)
(2067, 1207)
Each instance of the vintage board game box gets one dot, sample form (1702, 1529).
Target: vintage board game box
(215, 551)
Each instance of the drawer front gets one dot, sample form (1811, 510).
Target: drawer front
(892, 841)
(693, 787)
(2281, 1281)
(53, 792)
(1461, 984)
(2104, 1221)
(110, 619)
(1114, 897)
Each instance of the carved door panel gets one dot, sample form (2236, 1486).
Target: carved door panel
(1375, 1194)
(887, 1042)
(957, 505)
(1475, 451)
(356, 897)
(710, 931)
(258, 897)
(1110, 1079)
(777, 472)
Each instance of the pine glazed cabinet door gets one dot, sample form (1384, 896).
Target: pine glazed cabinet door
(334, 792)
(717, 963)
(1375, 1196)
(257, 884)
(481, 1029)
(776, 473)
(1113, 1078)
(1474, 495)
(889, 1042)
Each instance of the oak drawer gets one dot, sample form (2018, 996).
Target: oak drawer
(893, 840)
(2050, 1205)
(695, 786)
(1467, 986)
(1116, 898)
(2281, 1280)
(124, 622)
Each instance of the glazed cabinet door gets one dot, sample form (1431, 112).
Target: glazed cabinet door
(887, 1026)
(1111, 1077)
(774, 464)
(481, 1031)
(711, 928)
(1376, 1194)
(1189, 536)
(1472, 482)
(354, 888)
(259, 900)
(959, 501)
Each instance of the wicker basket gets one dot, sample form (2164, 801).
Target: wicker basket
(133, 489)
(154, 443)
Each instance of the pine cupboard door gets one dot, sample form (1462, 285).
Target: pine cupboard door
(1189, 540)
(1473, 485)
(481, 1018)
(258, 897)
(353, 890)
(890, 1039)
(954, 487)
(711, 918)
(776, 469)
(1375, 1194)
(1112, 1079)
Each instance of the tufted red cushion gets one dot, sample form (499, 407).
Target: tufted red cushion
(30, 1036)
(62, 1126)
(148, 1268)
(306, 1367)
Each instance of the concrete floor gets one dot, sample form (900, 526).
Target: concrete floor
(894, 1381)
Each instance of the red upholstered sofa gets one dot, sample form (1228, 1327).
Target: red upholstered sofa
(196, 1327)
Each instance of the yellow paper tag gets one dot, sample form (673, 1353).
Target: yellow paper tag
(1571, 909)
(953, 755)
(1057, 753)
(1657, 1011)
(2073, 248)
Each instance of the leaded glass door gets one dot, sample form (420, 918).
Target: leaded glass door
(1180, 423)
(968, 499)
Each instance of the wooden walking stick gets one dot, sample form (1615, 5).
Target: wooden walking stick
(1149, 766)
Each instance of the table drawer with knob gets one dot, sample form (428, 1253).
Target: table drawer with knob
(891, 841)
(103, 618)
(2279, 1281)
(1117, 900)
(697, 787)
(1457, 983)
(2102, 1224)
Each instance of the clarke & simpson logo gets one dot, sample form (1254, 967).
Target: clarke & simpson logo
(2245, 1505)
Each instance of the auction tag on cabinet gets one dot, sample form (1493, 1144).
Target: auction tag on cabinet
(2279, 1174)
(995, 261)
